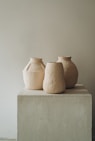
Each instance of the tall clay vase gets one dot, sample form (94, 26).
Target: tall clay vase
(54, 78)
(33, 74)
(70, 71)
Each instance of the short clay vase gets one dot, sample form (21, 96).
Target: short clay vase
(33, 74)
(70, 71)
(54, 78)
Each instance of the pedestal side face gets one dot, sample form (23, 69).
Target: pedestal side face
(54, 118)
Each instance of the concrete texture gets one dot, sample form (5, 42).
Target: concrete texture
(55, 117)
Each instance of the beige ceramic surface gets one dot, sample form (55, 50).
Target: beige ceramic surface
(70, 71)
(33, 74)
(54, 78)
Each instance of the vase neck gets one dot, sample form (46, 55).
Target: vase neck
(36, 60)
(66, 58)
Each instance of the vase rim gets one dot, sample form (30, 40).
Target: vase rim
(52, 63)
(35, 59)
(65, 57)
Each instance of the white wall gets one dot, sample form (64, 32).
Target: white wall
(47, 29)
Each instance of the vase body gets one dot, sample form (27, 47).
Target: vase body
(54, 78)
(33, 74)
(70, 71)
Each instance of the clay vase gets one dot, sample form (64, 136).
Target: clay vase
(70, 71)
(54, 78)
(33, 74)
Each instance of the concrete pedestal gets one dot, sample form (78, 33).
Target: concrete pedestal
(55, 117)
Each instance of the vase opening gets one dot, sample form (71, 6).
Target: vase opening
(35, 59)
(53, 62)
(68, 58)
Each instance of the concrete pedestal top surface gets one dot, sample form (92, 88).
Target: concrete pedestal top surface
(55, 117)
